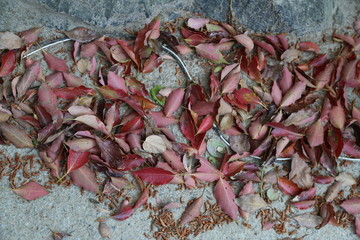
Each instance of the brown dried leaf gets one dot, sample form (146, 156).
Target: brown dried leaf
(250, 202)
(82, 34)
(154, 144)
(300, 173)
(192, 211)
(9, 40)
(240, 143)
(16, 136)
(308, 220)
(104, 230)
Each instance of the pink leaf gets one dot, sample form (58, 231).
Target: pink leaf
(210, 52)
(116, 82)
(309, 47)
(124, 213)
(337, 116)
(93, 122)
(323, 179)
(282, 131)
(31, 191)
(156, 176)
(8, 63)
(151, 63)
(84, 177)
(300, 172)
(231, 82)
(76, 160)
(276, 93)
(173, 160)
(315, 134)
(304, 204)
(245, 40)
(173, 102)
(72, 80)
(161, 120)
(55, 63)
(352, 205)
(30, 36)
(293, 94)
(286, 80)
(324, 77)
(225, 196)
(48, 100)
(28, 78)
(197, 23)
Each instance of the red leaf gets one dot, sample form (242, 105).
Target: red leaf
(266, 46)
(231, 82)
(48, 100)
(124, 213)
(55, 63)
(210, 52)
(31, 191)
(304, 204)
(8, 63)
(151, 63)
(315, 134)
(206, 125)
(187, 126)
(142, 199)
(245, 40)
(224, 195)
(76, 160)
(136, 123)
(173, 102)
(309, 47)
(352, 205)
(289, 187)
(282, 131)
(246, 96)
(306, 195)
(351, 149)
(162, 121)
(156, 176)
(323, 179)
(254, 69)
(173, 160)
(294, 93)
(70, 93)
(84, 177)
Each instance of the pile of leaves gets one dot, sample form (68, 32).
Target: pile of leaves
(274, 100)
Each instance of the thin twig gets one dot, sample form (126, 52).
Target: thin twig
(46, 46)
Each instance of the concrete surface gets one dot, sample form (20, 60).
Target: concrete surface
(66, 209)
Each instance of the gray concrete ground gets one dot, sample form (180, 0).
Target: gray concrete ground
(66, 209)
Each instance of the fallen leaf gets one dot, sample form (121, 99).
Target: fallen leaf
(245, 40)
(197, 23)
(82, 34)
(154, 144)
(31, 191)
(294, 94)
(28, 78)
(55, 63)
(30, 36)
(315, 134)
(173, 102)
(224, 195)
(308, 220)
(288, 186)
(104, 230)
(76, 160)
(309, 47)
(290, 55)
(210, 52)
(337, 116)
(352, 205)
(250, 202)
(84, 177)
(240, 143)
(84, 65)
(16, 136)
(192, 211)
(156, 176)
(8, 63)
(93, 122)
(9, 40)
(300, 173)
